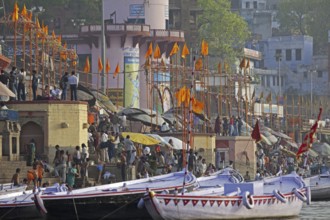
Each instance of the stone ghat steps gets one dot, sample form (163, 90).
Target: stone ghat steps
(8, 168)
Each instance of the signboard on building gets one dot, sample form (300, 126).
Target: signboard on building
(132, 84)
(136, 10)
(116, 96)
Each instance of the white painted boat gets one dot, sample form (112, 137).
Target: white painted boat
(115, 201)
(320, 186)
(17, 205)
(219, 178)
(281, 196)
(9, 188)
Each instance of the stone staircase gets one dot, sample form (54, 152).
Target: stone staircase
(8, 168)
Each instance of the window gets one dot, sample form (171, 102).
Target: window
(288, 55)
(282, 81)
(14, 145)
(278, 54)
(247, 4)
(255, 4)
(319, 74)
(305, 75)
(263, 80)
(278, 80)
(298, 54)
(268, 80)
(274, 80)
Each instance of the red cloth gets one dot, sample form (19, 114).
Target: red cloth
(256, 132)
(309, 137)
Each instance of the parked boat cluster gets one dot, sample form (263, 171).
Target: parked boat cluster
(178, 195)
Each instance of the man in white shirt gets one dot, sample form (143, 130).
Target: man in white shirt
(104, 147)
(56, 93)
(73, 82)
(21, 85)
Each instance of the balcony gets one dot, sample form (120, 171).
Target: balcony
(130, 29)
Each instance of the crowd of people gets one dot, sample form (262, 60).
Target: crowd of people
(228, 127)
(17, 81)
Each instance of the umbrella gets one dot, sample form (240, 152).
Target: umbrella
(104, 101)
(146, 119)
(161, 139)
(312, 153)
(201, 116)
(265, 139)
(278, 134)
(4, 91)
(289, 143)
(269, 136)
(177, 143)
(322, 149)
(137, 111)
(170, 118)
(141, 138)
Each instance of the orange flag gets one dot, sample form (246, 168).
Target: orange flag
(100, 65)
(219, 68)
(117, 70)
(87, 67)
(242, 64)
(107, 66)
(37, 23)
(63, 53)
(205, 48)
(59, 39)
(149, 51)
(24, 12)
(175, 49)
(199, 64)
(185, 51)
(53, 34)
(29, 17)
(15, 13)
(162, 66)
(157, 54)
(197, 106)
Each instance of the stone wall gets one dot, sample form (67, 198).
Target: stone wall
(62, 122)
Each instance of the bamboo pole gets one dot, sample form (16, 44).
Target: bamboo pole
(31, 62)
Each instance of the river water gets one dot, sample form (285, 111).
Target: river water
(316, 210)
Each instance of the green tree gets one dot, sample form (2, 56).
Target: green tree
(293, 16)
(305, 17)
(226, 32)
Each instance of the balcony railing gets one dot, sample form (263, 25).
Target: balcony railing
(115, 27)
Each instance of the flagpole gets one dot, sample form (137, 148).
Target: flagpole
(220, 84)
(43, 60)
(246, 99)
(31, 59)
(293, 117)
(286, 114)
(53, 59)
(36, 57)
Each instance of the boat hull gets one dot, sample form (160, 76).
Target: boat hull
(221, 208)
(116, 207)
(115, 201)
(320, 187)
(28, 211)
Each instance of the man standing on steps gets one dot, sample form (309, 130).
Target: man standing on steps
(73, 81)
(64, 85)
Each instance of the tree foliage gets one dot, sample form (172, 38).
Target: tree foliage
(66, 10)
(305, 17)
(226, 32)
